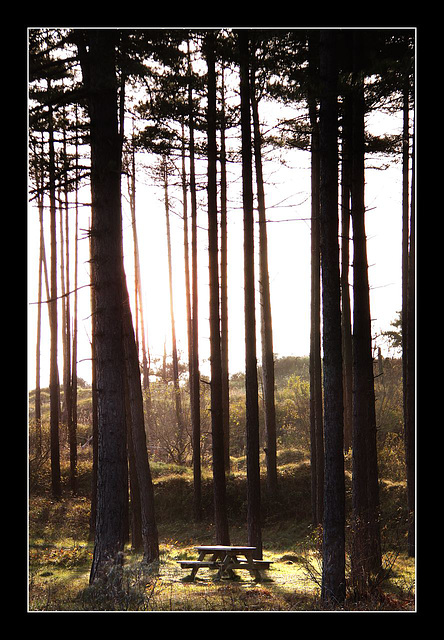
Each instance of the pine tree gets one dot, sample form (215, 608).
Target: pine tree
(345, 266)
(366, 553)
(265, 301)
(316, 418)
(180, 445)
(194, 372)
(99, 76)
(333, 567)
(137, 436)
(251, 385)
(54, 373)
(220, 508)
(224, 279)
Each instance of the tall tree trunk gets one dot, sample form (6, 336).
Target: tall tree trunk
(63, 412)
(220, 509)
(67, 378)
(195, 376)
(405, 233)
(73, 448)
(345, 265)
(135, 510)
(186, 254)
(37, 399)
(316, 420)
(333, 568)
(99, 74)
(366, 550)
(187, 266)
(265, 303)
(251, 385)
(138, 436)
(224, 283)
(410, 370)
(54, 375)
(178, 404)
(95, 421)
(137, 275)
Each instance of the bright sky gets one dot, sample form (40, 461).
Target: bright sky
(287, 198)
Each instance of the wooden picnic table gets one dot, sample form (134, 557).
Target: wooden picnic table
(225, 559)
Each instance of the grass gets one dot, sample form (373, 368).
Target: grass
(60, 554)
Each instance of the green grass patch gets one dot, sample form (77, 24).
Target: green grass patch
(60, 555)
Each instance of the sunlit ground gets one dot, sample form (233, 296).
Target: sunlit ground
(58, 580)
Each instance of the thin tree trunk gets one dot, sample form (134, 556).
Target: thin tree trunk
(186, 256)
(95, 420)
(195, 376)
(265, 303)
(137, 277)
(63, 413)
(67, 379)
(137, 437)
(405, 232)
(73, 458)
(345, 287)
(251, 385)
(177, 399)
(410, 401)
(220, 509)
(333, 567)
(316, 419)
(366, 551)
(54, 376)
(37, 399)
(224, 284)
(187, 266)
(135, 509)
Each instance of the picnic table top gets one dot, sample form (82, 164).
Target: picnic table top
(221, 547)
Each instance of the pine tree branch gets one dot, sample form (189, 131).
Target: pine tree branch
(62, 296)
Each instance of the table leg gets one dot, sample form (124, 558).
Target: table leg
(225, 568)
(252, 568)
(229, 571)
(194, 570)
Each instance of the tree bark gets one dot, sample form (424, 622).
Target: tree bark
(333, 569)
(345, 266)
(73, 457)
(186, 254)
(180, 446)
(366, 550)
(137, 277)
(67, 354)
(316, 417)
(95, 425)
(221, 520)
(410, 400)
(138, 436)
(266, 317)
(135, 509)
(37, 400)
(54, 375)
(99, 73)
(195, 376)
(224, 284)
(251, 385)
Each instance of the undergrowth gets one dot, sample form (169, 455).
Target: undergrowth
(60, 553)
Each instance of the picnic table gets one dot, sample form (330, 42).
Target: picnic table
(226, 559)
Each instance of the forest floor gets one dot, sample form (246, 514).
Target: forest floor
(60, 554)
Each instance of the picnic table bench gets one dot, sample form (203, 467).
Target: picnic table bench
(225, 559)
